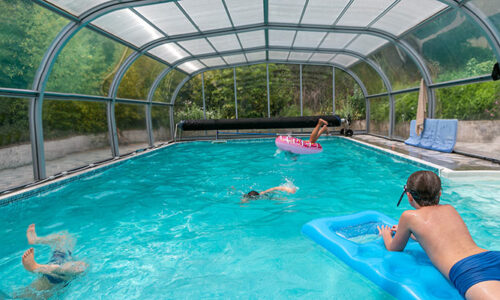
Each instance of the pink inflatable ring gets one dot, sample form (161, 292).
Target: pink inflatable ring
(298, 146)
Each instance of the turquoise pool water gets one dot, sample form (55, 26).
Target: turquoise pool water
(170, 225)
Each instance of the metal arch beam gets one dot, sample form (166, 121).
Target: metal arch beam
(45, 67)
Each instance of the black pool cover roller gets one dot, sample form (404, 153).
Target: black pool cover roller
(258, 123)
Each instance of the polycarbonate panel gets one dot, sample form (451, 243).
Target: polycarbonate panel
(398, 66)
(127, 25)
(372, 80)
(191, 66)
(477, 108)
(286, 11)
(365, 44)
(139, 78)
(490, 8)
(284, 90)
(170, 52)
(219, 94)
(344, 60)
(76, 7)
(308, 39)
(213, 62)
(168, 18)
(26, 31)
(405, 111)
(75, 134)
(406, 14)
(252, 39)
(256, 56)
(279, 55)
(87, 64)
(460, 51)
(235, 59)
(323, 12)
(189, 101)
(160, 119)
(196, 47)
(349, 100)
(299, 56)
(379, 116)
(281, 37)
(317, 88)
(225, 42)
(244, 12)
(336, 40)
(321, 57)
(207, 14)
(362, 12)
(15, 148)
(252, 91)
(131, 127)
(167, 86)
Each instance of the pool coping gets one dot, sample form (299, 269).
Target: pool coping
(53, 183)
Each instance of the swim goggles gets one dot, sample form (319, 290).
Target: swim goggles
(413, 193)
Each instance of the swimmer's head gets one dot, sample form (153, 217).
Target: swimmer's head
(252, 194)
(425, 187)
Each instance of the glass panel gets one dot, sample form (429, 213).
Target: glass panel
(299, 56)
(244, 12)
(169, 52)
(87, 64)
(321, 57)
(491, 8)
(160, 117)
(281, 37)
(280, 55)
(337, 40)
(196, 47)
(407, 14)
(189, 102)
(393, 61)
(127, 25)
(139, 78)
(26, 32)
(219, 94)
(212, 62)
(75, 134)
(405, 111)
(366, 44)
(252, 91)
(344, 60)
(76, 7)
(349, 100)
(477, 108)
(225, 42)
(256, 56)
(460, 51)
(15, 148)
(285, 11)
(362, 12)
(252, 39)
(373, 82)
(308, 39)
(191, 66)
(207, 14)
(131, 127)
(284, 90)
(168, 18)
(379, 116)
(167, 86)
(235, 59)
(323, 12)
(317, 88)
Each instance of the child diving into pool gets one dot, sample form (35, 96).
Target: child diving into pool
(442, 233)
(60, 269)
(316, 133)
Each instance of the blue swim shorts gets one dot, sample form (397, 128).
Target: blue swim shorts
(474, 269)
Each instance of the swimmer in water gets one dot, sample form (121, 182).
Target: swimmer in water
(318, 130)
(253, 195)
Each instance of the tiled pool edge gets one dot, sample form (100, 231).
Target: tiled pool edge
(43, 187)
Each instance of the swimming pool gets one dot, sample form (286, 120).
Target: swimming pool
(170, 224)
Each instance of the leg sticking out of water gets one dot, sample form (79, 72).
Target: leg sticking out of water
(62, 271)
(56, 240)
(317, 131)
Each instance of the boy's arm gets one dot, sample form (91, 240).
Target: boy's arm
(399, 241)
(279, 188)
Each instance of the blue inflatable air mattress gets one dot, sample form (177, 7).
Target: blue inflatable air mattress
(354, 239)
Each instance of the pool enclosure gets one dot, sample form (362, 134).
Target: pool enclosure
(87, 81)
